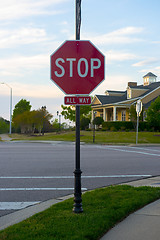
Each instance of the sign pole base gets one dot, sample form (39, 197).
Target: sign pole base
(77, 173)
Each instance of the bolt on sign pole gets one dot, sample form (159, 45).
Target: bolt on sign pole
(77, 173)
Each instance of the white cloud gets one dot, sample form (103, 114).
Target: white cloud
(146, 62)
(114, 82)
(156, 42)
(26, 35)
(14, 9)
(32, 90)
(154, 70)
(14, 65)
(120, 36)
(119, 56)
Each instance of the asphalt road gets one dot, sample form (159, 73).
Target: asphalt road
(35, 172)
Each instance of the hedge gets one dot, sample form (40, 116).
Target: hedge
(126, 126)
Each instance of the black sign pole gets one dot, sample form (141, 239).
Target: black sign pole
(77, 173)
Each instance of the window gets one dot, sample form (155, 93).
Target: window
(129, 93)
(124, 115)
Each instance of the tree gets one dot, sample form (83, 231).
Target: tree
(4, 125)
(55, 125)
(41, 118)
(69, 112)
(24, 122)
(153, 114)
(133, 114)
(22, 106)
(84, 124)
(98, 121)
(29, 121)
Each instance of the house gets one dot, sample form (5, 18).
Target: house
(114, 105)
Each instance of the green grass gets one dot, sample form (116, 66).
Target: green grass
(100, 137)
(103, 208)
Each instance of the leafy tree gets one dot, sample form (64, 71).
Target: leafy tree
(69, 112)
(98, 121)
(22, 106)
(133, 114)
(41, 118)
(153, 114)
(4, 125)
(24, 122)
(55, 125)
(84, 124)
(29, 121)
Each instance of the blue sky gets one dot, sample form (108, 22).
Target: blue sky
(126, 31)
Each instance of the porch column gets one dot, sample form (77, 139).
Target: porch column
(114, 113)
(92, 116)
(104, 114)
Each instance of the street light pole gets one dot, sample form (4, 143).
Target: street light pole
(10, 127)
(94, 114)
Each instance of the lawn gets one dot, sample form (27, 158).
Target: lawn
(103, 208)
(100, 137)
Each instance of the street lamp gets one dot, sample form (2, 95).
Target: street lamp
(43, 111)
(59, 120)
(94, 114)
(10, 127)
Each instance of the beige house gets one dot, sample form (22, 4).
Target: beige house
(114, 105)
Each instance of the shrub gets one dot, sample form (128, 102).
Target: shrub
(126, 126)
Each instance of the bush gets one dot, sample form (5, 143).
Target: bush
(84, 123)
(98, 121)
(113, 129)
(125, 126)
(118, 126)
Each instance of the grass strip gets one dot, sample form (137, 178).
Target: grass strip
(100, 137)
(103, 208)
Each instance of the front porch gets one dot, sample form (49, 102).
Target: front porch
(111, 113)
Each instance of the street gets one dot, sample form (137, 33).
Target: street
(32, 172)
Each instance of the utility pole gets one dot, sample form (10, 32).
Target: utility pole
(10, 126)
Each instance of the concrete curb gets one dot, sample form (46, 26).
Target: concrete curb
(20, 215)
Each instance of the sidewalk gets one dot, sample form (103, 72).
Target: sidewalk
(143, 224)
(5, 137)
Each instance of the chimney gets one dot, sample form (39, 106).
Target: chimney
(132, 84)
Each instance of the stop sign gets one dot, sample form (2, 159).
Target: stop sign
(77, 67)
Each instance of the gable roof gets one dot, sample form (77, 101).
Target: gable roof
(114, 92)
(149, 88)
(104, 99)
(149, 103)
(149, 75)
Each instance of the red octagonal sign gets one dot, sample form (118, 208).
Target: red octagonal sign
(77, 67)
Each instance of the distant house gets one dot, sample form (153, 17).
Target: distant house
(114, 105)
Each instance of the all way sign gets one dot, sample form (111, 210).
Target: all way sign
(84, 100)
